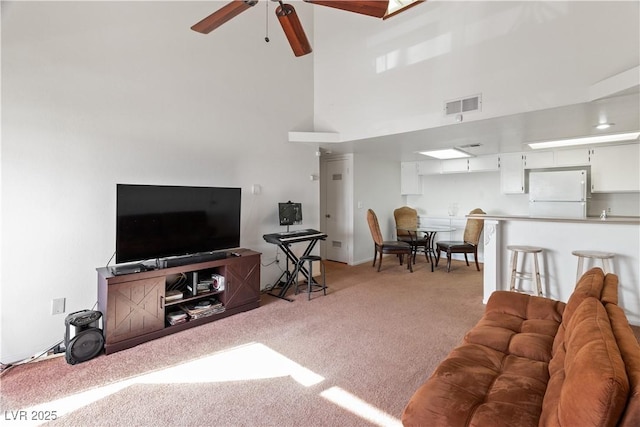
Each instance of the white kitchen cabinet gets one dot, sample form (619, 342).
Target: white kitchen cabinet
(572, 157)
(429, 167)
(511, 173)
(484, 163)
(614, 169)
(454, 165)
(410, 181)
(538, 160)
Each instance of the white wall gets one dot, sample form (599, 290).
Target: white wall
(377, 77)
(469, 191)
(376, 187)
(99, 93)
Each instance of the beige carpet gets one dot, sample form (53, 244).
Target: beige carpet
(351, 358)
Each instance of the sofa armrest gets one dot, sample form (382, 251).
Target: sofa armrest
(630, 352)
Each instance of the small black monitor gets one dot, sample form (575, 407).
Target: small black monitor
(290, 213)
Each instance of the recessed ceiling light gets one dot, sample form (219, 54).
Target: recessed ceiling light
(447, 153)
(602, 126)
(597, 139)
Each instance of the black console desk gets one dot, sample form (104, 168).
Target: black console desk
(284, 240)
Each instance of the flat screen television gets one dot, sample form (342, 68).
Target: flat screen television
(158, 221)
(290, 213)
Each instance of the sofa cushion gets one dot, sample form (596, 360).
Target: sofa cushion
(518, 324)
(499, 374)
(588, 384)
(630, 351)
(477, 385)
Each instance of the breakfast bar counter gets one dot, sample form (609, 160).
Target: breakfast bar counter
(558, 267)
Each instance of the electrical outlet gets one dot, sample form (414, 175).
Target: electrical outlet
(57, 305)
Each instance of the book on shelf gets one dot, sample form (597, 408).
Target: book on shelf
(202, 308)
(176, 317)
(173, 295)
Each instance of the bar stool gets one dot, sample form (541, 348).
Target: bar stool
(310, 282)
(604, 256)
(524, 275)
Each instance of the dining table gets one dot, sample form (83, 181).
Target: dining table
(429, 232)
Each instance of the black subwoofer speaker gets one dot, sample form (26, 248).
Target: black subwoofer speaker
(83, 339)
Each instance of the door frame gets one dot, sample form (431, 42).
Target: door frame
(324, 159)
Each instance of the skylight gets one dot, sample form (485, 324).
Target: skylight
(397, 6)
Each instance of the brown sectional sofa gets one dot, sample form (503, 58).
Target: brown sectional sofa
(533, 361)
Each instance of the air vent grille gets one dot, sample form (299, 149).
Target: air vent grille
(463, 105)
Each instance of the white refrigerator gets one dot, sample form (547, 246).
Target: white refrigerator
(558, 193)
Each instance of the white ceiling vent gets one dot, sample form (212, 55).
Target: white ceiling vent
(463, 105)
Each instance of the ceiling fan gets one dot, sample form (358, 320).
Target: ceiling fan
(288, 17)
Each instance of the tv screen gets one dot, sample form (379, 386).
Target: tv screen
(290, 213)
(157, 221)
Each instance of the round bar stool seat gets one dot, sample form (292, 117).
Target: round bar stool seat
(524, 275)
(311, 284)
(604, 256)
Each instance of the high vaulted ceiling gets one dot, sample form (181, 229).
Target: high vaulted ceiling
(545, 70)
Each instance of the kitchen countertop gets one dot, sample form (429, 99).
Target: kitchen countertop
(559, 238)
(633, 220)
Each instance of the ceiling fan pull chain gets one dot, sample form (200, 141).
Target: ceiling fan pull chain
(266, 37)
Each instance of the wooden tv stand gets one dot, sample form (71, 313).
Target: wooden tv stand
(134, 305)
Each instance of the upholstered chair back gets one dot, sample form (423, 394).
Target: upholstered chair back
(372, 219)
(406, 217)
(474, 228)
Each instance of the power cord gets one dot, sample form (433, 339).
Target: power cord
(6, 367)
(114, 254)
(179, 284)
(276, 261)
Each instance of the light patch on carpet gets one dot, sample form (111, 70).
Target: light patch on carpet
(248, 362)
(359, 407)
(244, 363)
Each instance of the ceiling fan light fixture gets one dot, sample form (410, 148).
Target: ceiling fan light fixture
(292, 28)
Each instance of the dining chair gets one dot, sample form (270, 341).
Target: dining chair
(407, 218)
(469, 244)
(382, 246)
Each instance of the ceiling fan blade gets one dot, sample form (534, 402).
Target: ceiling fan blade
(293, 29)
(222, 15)
(377, 8)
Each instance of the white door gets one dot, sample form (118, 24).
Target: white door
(337, 179)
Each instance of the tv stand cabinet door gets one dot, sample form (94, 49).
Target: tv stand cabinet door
(242, 282)
(134, 308)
